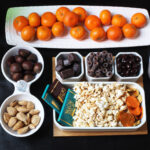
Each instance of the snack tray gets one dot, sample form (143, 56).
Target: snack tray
(13, 37)
(130, 84)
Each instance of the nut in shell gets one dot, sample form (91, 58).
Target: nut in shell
(17, 106)
(22, 109)
(22, 117)
(34, 112)
(30, 105)
(6, 117)
(14, 103)
(35, 120)
(23, 130)
(12, 121)
(31, 126)
(11, 111)
(24, 103)
(18, 125)
(28, 118)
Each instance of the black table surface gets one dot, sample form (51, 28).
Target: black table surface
(44, 139)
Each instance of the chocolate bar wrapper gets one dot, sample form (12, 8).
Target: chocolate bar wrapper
(68, 109)
(50, 100)
(57, 90)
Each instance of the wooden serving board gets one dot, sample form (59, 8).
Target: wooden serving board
(60, 133)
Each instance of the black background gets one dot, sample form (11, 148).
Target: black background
(44, 139)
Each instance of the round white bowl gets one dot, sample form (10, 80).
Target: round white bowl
(21, 96)
(14, 51)
(131, 79)
(77, 78)
(89, 78)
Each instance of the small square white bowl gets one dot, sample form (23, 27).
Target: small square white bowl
(89, 78)
(71, 79)
(131, 79)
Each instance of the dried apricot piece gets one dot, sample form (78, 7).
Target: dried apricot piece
(132, 102)
(126, 119)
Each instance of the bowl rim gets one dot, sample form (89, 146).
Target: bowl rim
(29, 48)
(128, 78)
(28, 133)
(71, 78)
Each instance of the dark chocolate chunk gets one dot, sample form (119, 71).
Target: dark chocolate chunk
(60, 62)
(76, 69)
(67, 73)
(59, 68)
(67, 62)
(73, 58)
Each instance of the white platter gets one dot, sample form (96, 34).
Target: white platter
(13, 38)
(131, 84)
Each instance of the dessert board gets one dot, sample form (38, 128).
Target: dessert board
(60, 133)
(13, 37)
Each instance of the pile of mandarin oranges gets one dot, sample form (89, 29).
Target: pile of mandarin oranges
(50, 25)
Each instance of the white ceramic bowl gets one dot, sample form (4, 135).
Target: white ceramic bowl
(21, 96)
(14, 51)
(77, 78)
(131, 79)
(89, 78)
(130, 84)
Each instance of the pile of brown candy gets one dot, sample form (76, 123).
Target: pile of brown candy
(68, 65)
(24, 65)
(100, 64)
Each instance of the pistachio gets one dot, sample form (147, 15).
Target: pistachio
(22, 109)
(22, 117)
(23, 130)
(34, 112)
(35, 120)
(28, 118)
(17, 106)
(14, 103)
(12, 121)
(24, 103)
(11, 111)
(18, 125)
(6, 117)
(30, 105)
(31, 126)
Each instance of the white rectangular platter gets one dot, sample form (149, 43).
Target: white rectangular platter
(67, 42)
(130, 84)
